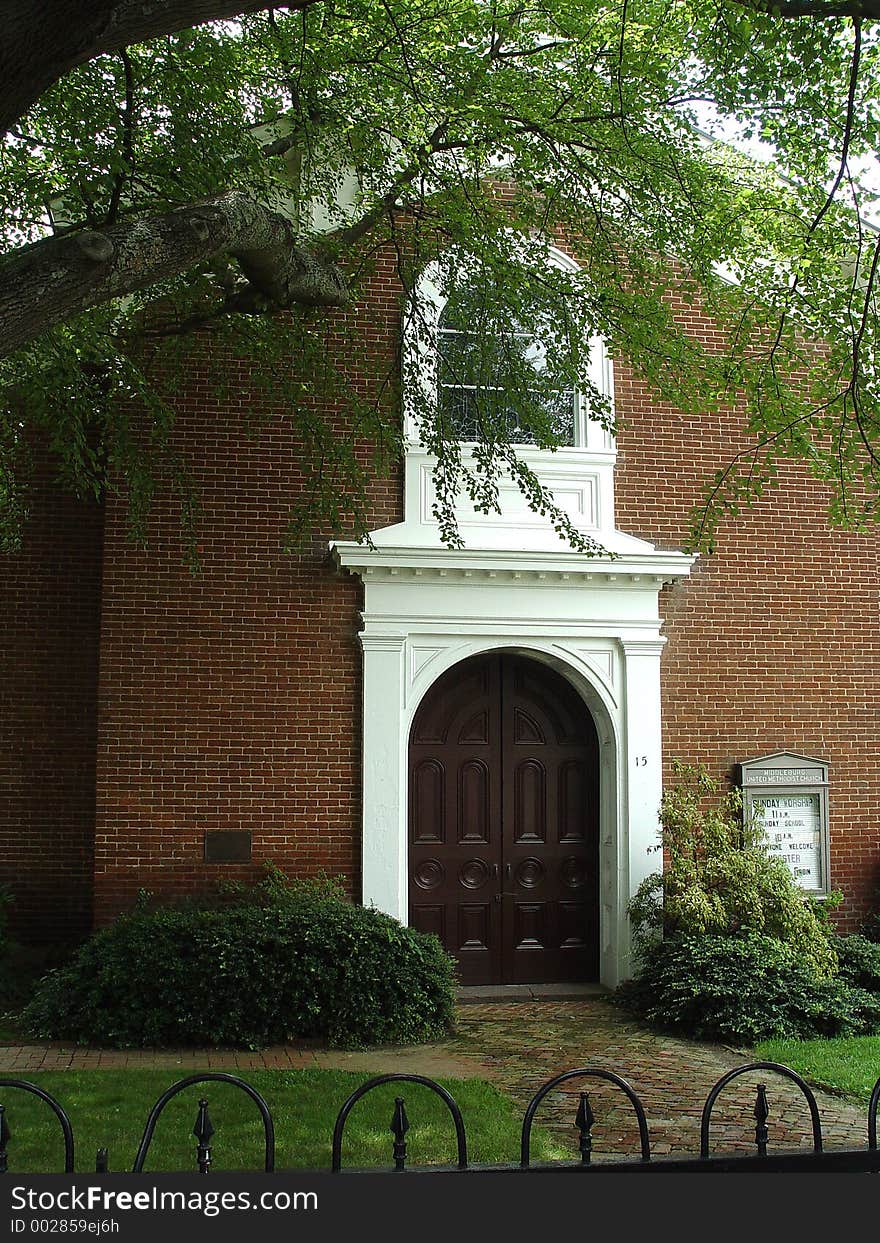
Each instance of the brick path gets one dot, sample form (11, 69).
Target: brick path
(519, 1046)
(431, 1060)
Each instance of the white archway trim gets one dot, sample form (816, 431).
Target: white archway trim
(596, 623)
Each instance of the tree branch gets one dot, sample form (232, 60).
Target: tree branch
(55, 279)
(44, 39)
(861, 10)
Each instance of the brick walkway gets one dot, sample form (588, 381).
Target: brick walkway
(519, 1046)
(431, 1060)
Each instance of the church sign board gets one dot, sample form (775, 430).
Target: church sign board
(788, 795)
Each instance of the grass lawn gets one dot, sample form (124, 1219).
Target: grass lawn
(11, 1032)
(845, 1064)
(108, 1108)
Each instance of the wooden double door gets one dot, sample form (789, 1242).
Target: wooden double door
(503, 822)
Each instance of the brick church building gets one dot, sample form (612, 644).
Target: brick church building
(475, 738)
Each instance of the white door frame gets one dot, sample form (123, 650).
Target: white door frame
(595, 623)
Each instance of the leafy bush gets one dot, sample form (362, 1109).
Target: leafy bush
(719, 878)
(729, 947)
(6, 980)
(871, 927)
(859, 961)
(744, 988)
(280, 962)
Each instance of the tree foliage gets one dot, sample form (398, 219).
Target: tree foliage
(195, 180)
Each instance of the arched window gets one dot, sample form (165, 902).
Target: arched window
(483, 374)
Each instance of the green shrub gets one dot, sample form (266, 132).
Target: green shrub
(277, 963)
(5, 904)
(871, 927)
(7, 980)
(859, 961)
(729, 948)
(742, 989)
(719, 878)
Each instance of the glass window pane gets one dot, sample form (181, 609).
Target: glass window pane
(476, 366)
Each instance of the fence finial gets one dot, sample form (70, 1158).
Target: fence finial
(584, 1123)
(399, 1128)
(762, 1113)
(203, 1130)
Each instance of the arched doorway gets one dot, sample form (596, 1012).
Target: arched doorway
(503, 822)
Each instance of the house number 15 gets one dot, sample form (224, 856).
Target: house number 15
(641, 761)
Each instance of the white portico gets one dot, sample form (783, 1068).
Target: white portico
(516, 586)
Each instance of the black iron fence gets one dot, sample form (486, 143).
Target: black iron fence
(865, 1159)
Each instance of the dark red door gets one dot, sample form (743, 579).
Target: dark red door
(504, 822)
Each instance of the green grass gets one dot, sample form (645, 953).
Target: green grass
(11, 1032)
(109, 1109)
(850, 1065)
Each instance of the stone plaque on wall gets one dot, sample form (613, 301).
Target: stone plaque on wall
(227, 846)
(788, 795)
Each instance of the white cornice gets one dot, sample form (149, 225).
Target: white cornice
(513, 566)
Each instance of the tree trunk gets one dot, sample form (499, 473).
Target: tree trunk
(56, 279)
(44, 39)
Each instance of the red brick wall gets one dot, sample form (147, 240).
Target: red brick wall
(48, 681)
(774, 640)
(231, 700)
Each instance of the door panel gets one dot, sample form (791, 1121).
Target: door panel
(474, 802)
(529, 801)
(503, 822)
(428, 823)
(553, 765)
(457, 733)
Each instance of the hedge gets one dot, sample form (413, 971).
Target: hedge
(284, 966)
